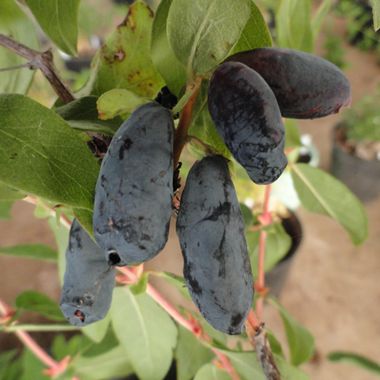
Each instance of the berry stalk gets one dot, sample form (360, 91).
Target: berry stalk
(180, 137)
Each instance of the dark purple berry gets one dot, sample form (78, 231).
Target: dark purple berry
(306, 86)
(246, 114)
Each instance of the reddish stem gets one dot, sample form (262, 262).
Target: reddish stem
(267, 193)
(226, 364)
(54, 368)
(162, 301)
(252, 320)
(172, 311)
(260, 285)
(38, 351)
(265, 219)
(65, 221)
(180, 137)
(5, 311)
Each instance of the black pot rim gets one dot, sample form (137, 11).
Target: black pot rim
(293, 227)
(338, 144)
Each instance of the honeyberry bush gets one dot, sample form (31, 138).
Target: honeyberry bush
(51, 157)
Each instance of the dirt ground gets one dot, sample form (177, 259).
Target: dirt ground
(333, 287)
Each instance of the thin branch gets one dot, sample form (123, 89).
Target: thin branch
(263, 351)
(39, 60)
(254, 327)
(11, 68)
(265, 219)
(38, 328)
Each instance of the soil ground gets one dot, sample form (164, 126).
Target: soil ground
(333, 288)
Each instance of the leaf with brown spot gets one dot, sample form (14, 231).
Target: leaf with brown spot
(125, 61)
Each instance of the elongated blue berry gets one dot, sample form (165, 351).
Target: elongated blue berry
(246, 114)
(88, 282)
(211, 232)
(133, 196)
(306, 86)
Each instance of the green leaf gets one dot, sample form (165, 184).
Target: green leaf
(82, 114)
(10, 369)
(376, 14)
(293, 137)
(289, 372)
(32, 367)
(255, 33)
(278, 243)
(358, 360)
(70, 347)
(41, 209)
(118, 102)
(85, 219)
(14, 23)
(188, 343)
(6, 357)
(140, 286)
(5, 210)
(163, 57)
(39, 303)
(30, 251)
(140, 320)
(275, 345)
(300, 341)
(210, 372)
(321, 193)
(59, 20)
(61, 235)
(203, 128)
(246, 365)
(125, 60)
(202, 32)
(111, 364)
(176, 281)
(9, 194)
(320, 16)
(98, 330)
(41, 154)
(293, 21)
(247, 215)
(108, 342)
(219, 339)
